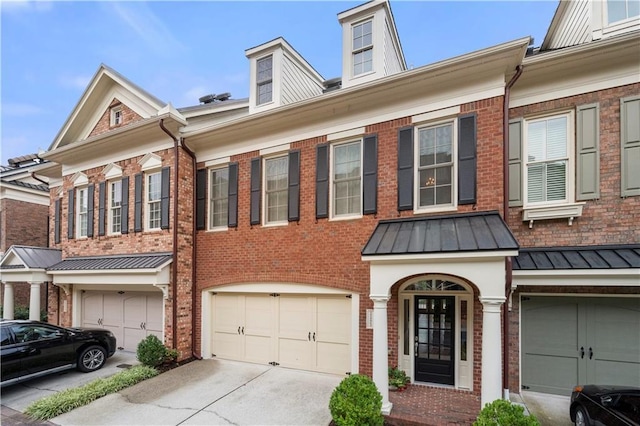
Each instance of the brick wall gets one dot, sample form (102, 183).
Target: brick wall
(104, 124)
(23, 223)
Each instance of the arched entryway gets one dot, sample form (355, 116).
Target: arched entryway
(435, 327)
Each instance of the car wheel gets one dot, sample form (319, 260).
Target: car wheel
(91, 358)
(582, 419)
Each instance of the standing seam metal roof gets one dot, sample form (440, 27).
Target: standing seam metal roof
(34, 257)
(588, 257)
(482, 231)
(114, 262)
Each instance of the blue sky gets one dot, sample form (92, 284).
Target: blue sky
(180, 51)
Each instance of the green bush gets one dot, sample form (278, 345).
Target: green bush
(398, 378)
(502, 412)
(151, 351)
(356, 402)
(67, 400)
(21, 312)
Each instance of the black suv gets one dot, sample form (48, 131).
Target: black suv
(32, 349)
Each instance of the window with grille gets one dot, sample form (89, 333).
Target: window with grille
(219, 198)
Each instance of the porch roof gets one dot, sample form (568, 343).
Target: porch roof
(113, 262)
(587, 257)
(30, 257)
(466, 232)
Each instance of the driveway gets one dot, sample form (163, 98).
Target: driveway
(215, 392)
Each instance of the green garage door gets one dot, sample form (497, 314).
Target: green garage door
(579, 340)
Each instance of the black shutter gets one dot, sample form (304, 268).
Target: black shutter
(201, 198)
(56, 229)
(370, 175)
(467, 159)
(124, 207)
(294, 186)
(405, 169)
(70, 214)
(322, 181)
(90, 205)
(137, 211)
(165, 186)
(255, 191)
(102, 202)
(233, 195)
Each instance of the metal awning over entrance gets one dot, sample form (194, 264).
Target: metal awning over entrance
(589, 257)
(485, 231)
(112, 263)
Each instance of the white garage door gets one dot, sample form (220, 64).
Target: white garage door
(296, 331)
(131, 316)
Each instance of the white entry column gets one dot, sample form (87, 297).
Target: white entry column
(34, 302)
(380, 349)
(491, 349)
(7, 307)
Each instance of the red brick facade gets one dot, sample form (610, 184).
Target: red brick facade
(104, 124)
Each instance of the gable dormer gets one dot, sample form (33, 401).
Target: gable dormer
(370, 45)
(280, 76)
(582, 21)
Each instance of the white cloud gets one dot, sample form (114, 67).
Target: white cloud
(74, 81)
(147, 25)
(20, 110)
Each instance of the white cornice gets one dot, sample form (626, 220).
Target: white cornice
(442, 257)
(26, 195)
(578, 277)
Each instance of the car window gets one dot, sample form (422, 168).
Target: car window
(5, 336)
(31, 332)
(629, 406)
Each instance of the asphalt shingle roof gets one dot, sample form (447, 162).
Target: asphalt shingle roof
(588, 257)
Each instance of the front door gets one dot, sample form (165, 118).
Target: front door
(434, 338)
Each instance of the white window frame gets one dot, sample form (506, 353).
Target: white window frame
(265, 192)
(605, 12)
(570, 180)
(362, 49)
(264, 81)
(453, 122)
(210, 199)
(116, 116)
(82, 210)
(332, 158)
(148, 203)
(112, 209)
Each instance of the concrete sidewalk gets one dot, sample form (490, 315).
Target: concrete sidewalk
(215, 392)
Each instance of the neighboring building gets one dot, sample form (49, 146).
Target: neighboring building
(24, 220)
(350, 224)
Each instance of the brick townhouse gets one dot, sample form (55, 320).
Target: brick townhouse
(351, 224)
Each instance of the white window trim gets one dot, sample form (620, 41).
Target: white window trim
(257, 84)
(417, 209)
(561, 209)
(78, 190)
(266, 223)
(332, 215)
(209, 211)
(113, 114)
(145, 193)
(109, 208)
(371, 47)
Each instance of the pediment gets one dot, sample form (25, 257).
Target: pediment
(107, 89)
(80, 179)
(112, 171)
(150, 161)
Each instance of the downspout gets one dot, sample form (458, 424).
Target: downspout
(33, 175)
(193, 257)
(174, 269)
(505, 216)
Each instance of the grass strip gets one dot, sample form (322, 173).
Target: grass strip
(69, 399)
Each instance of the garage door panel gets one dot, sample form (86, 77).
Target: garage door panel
(295, 353)
(334, 320)
(155, 314)
(550, 373)
(616, 372)
(294, 320)
(92, 305)
(546, 335)
(132, 337)
(258, 349)
(333, 357)
(226, 313)
(226, 345)
(258, 317)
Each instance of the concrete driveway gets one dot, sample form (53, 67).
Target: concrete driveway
(215, 392)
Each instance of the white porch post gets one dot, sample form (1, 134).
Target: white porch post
(34, 302)
(491, 349)
(7, 308)
(380, 350)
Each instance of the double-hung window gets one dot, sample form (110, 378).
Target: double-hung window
(264, 80)
(547, 163)
(362, 47)
(346, 176)
(219, 198)
(152, 197)
(115, 207)
(619, 10)
(276, 189)
(436, 166)
(82, 212)
(116, 116)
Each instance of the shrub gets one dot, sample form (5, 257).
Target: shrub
(502, 412)
(356, 401)
(151, 351)
(398, 378)
(67, 400)
(22, 313)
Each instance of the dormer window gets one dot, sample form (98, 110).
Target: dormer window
(362, 47)
(619, 10)
(264, 80)
(116, 116)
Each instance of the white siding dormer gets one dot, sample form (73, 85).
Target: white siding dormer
(370, 45)
(277, 69)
